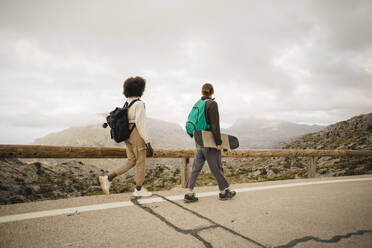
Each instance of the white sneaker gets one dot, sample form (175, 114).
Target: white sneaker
(143, 192)
(105, 184)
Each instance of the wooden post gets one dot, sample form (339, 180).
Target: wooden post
(311, 171)
(185, 172)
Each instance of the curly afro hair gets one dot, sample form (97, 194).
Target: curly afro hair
(134, 86)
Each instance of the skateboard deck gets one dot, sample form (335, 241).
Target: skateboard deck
(206, 139)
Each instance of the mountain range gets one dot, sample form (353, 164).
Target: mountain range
(252, 133)
(257, 133)
(164, 135)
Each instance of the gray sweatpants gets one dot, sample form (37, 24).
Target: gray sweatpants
(213, 157)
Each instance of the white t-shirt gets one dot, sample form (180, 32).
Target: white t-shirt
(137, 114)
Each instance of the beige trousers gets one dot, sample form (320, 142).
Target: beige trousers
(136, 153)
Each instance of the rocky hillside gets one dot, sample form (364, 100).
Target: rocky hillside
(21, 182)
(354, 134)
(260, 133)
(24, 182)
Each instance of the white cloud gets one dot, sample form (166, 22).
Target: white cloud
(302, 61)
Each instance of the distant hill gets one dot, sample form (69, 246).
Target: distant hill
(164, 135)
(252, 133)
(260, 133)
(355, 134)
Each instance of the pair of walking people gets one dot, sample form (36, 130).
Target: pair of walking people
(139, 144)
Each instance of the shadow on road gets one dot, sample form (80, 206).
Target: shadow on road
(334, 239)
(195, 232)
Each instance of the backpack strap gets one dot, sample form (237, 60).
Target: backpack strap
(135, 100)
(128, 106)
(132, 102)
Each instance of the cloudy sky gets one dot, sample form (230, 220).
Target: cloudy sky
(62, 63)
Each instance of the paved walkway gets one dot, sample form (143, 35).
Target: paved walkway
(326, 212)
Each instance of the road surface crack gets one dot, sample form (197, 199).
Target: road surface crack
(334, 239)
(192, 232)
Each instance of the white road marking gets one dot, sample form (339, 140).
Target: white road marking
(71, 211)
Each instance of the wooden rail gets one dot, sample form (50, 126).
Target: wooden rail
(38, 151)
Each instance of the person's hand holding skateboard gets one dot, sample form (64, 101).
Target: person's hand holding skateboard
(149, 150)
(219, 147)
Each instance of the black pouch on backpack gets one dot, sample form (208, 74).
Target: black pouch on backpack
(119, 123)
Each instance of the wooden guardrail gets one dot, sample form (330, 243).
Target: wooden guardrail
(38, 151)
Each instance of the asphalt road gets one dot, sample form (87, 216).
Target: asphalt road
(292, 213)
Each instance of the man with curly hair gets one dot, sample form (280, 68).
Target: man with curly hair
(138, 144)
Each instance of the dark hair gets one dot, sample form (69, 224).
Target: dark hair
(207, 89)
(134, 86)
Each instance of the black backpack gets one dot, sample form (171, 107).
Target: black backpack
(119, 123)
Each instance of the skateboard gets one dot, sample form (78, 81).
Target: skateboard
(206, 139)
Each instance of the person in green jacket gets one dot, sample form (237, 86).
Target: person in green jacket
(211, 155)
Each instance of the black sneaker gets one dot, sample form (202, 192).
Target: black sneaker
(190, 198)
(227, 195)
